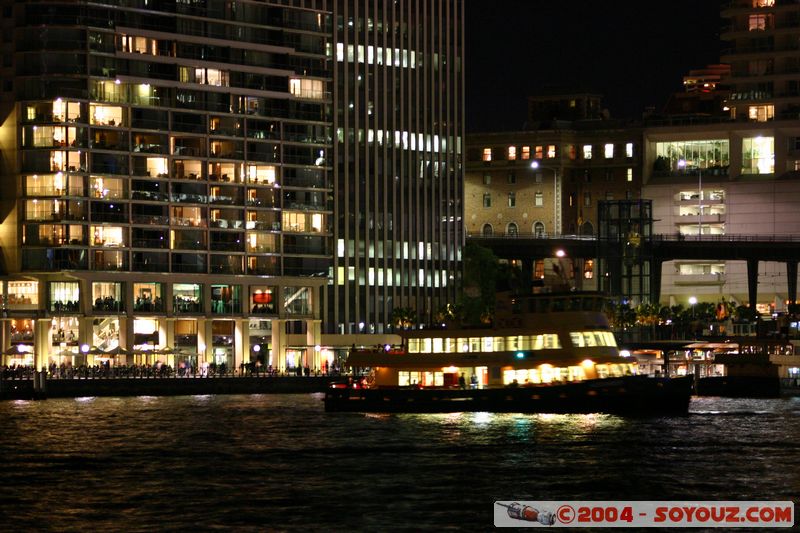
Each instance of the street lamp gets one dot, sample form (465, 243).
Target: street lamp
(692, 302)
(556, 196)
(682, 164)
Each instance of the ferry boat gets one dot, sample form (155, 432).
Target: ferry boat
(544, 353)
(755, 368)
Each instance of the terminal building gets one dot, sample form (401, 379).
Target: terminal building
(721, 162)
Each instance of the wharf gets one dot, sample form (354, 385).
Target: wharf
(16, 389)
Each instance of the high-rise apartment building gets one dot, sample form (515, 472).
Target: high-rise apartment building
(398, 124)
(764, 59)
(167, 185)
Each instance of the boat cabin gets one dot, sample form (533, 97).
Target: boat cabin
(535, 340)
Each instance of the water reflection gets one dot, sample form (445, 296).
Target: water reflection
(261, 462)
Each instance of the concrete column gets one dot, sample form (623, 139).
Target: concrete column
(527, 275)
(126, 327)
(125, 341)
(578, 265)
(241, 336)
(313, 339)
(128, 299)
(791, 280)
(655, 280)
(166, 330)
(278, 356)
(5, 340)
(204, 348)
(206, 295)
(169, 301)
(85, 334)
(752, 282)
(41, 343)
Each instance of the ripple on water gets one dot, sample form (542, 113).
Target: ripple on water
(262, 462)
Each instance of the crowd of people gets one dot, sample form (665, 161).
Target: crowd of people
(162, 370)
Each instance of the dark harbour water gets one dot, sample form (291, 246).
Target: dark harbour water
(274, 462)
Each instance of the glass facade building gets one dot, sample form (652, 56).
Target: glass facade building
(398, 92)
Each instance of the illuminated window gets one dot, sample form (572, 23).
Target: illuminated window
(187, 297)
(526, 152)
(112, 236)
(583, 339)
(302, 222)
(64, 296)
(628, 149)
(139, 45)
(538, 152)
(538, 268)
(551, 151)
(629, 174)
(707, 153)
(758, 155)
(588, 269)
(512, 199)
(608, 150)
(538, 199)
(759, 22)
(263, 299)
(761, 113)
(108, 296)
(763, 3)
(23, 293)
(512, 153)
(487, 154)
(260, 174)
(377, 55)
(261, 242)
(306, 88)
(297, 300)
(587, 151)
(148, 297)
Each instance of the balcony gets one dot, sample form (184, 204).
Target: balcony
(150, 196)
(227, 223)
(189, 198)
(149, 243)
(150, 262)
(693, 280)
(152, 220)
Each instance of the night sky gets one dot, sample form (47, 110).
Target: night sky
(634, 52)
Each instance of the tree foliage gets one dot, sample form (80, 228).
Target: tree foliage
(481, 271)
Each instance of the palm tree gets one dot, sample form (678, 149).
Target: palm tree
(404, 318)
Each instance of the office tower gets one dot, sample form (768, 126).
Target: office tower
(398, 122)
(166, 181)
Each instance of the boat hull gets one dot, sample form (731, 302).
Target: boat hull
(740, 386)
(629, 395)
